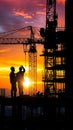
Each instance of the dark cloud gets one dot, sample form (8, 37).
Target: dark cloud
(10, 16)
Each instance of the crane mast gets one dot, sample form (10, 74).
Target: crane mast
(32, 63)
(51, 16)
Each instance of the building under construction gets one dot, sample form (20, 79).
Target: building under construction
(58, 50)
(54, 52)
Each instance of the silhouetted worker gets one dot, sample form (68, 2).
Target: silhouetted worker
(20, 79)
(13, 82)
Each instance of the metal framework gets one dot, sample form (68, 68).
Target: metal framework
(54, 52)
(32, 63)
(31, 42)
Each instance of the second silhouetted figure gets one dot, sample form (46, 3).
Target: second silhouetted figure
(20, 79)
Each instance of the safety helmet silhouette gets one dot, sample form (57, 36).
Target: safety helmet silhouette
(20, 68)
(12, 68)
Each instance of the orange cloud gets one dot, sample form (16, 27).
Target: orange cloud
(4, 50)
(61, 1)
(40, 12)
(40, 5)
(21, 13)
(27, 22)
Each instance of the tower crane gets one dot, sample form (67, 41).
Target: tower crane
(31, 42)
(32, 63)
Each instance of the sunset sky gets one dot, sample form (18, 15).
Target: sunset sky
(22, 13)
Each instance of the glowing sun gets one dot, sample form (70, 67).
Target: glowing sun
(26, 82)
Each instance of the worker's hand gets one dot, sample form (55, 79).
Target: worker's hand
(23, 69)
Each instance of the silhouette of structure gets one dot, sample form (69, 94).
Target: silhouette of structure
(54, 51)
(29, 46)
(32, 63)
(69, 46)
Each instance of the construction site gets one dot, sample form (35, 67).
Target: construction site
(54, 51)
(55, 104)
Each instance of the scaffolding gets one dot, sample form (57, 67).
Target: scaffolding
(54, 52)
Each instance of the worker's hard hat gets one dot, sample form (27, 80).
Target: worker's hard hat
(12, 68)
(20, 68)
